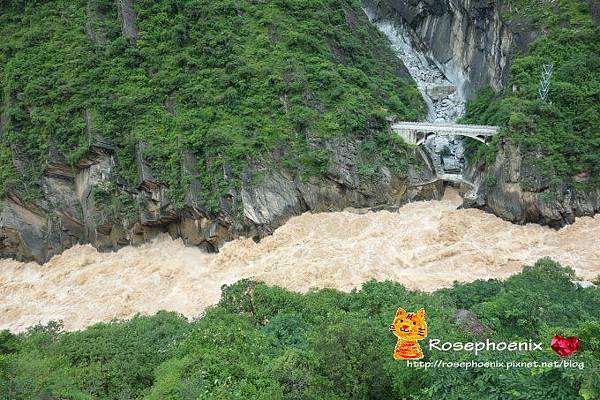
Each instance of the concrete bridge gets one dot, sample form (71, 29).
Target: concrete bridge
(417, 133)
(457, 178)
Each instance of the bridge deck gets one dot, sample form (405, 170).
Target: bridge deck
(417, 133)
(485, 130)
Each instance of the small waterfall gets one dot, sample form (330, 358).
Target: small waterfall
(445, 101)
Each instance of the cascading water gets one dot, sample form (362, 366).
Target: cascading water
(445, 101)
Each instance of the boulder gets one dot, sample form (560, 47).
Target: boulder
(470, 323)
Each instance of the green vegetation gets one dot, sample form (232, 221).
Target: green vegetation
(112, 202)
(265, 342)
(383, 150)
(244, 80)
(563, 132)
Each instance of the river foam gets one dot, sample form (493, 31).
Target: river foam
(425, 245)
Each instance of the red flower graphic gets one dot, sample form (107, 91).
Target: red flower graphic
(564, 346)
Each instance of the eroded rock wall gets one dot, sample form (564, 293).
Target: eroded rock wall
(89, 204)
(514, 188)
(128, 20)
(466, 38)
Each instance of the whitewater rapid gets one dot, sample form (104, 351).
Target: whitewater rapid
(425, 245)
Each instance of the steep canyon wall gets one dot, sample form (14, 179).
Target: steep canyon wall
(466, 39)
(84, 204)
(473, 46)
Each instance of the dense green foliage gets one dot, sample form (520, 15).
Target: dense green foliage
(563, 133)
(266, 342)
(244, 79)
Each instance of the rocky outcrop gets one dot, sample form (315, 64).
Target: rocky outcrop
(38, 230)
(595, 10)
(88, 203)
(444, 102)
(514, 188)
(468, 321)
(128, 21)
(94, 28)
(466, 38)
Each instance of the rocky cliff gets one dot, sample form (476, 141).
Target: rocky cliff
(467, 39)
(514, 188)
(473, 45)
(88, 203)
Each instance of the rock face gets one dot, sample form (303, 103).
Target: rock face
(470, 45)
(470, 323)
(466, 38)
(444, 102)
(514, 188)
(88, 204)
(128, 20)
(30, 231)
(595, 10)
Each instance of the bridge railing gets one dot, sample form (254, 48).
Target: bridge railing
(397, 125)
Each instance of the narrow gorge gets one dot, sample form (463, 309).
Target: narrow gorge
(445, 99)
(364, 206)
(453, 49)
(299, 199)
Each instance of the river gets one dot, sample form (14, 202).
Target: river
(425, 245)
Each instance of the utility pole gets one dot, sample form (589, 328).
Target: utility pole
(545, 81)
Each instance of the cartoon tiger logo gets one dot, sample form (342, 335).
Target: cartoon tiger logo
(409, 328)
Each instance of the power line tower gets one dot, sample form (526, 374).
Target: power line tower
(545, 81)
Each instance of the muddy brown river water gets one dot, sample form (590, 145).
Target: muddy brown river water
(425, 245)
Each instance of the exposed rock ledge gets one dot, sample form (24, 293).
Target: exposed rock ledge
(70, 213)
(515, 189)
(512, 188)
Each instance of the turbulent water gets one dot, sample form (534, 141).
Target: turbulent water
(424, 245)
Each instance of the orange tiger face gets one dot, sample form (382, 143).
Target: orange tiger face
(409, 326)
